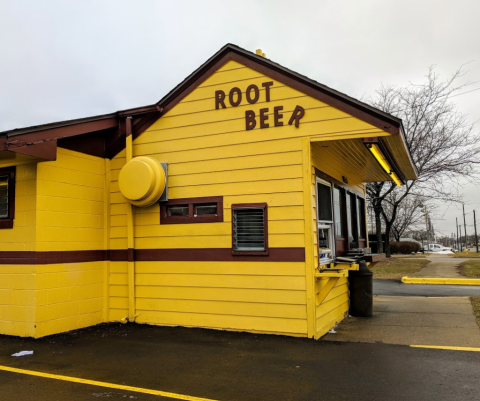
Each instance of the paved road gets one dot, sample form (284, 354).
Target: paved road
(233, 366)
(396, 288)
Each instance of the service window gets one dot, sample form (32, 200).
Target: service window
(350, 198)
(338, 211)
(326, 245)
(7, 197)
(249, 229)
(361, 218)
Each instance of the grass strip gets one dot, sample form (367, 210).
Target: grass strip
(469, 255)
(470, 268)
(476, 308)
(396, 268)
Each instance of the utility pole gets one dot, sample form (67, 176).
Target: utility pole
(460, 231)
(456, 225)
(464, 225)
(475, 226)
(426, 223)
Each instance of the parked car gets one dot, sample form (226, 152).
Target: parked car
(435, 248)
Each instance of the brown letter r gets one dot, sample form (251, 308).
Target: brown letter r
(220, 100)
(297, 114)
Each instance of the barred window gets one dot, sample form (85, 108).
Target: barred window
(249, 228)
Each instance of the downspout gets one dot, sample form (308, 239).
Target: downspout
(130, 231)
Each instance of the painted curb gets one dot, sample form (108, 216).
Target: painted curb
(471, 349)
(449, 281)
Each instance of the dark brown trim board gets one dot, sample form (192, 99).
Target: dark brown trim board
(192, 218)
(148, 255)
(53, 257)
(7, 222)
(218, 255)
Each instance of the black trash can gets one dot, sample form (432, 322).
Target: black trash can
(360, 283)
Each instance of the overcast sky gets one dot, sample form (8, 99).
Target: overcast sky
(68, 59)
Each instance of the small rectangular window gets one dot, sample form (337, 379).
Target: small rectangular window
(192, 210)
(249, 229)
(205, 209)
(4, 196)
(177, 210)
(7, 196)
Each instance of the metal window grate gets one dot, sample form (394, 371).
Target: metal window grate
(3, 196)
(249, 229)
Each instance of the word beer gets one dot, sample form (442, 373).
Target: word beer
(252, 94)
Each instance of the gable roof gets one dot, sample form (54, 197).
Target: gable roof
(108, 131)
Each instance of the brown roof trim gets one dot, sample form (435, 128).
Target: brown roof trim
(58, 124)
(101, 136)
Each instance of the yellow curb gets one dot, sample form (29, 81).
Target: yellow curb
(103, 384)
(455, 281)
(446, 347)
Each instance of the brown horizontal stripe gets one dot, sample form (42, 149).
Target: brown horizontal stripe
(47, 258)
(149, 255)
(218, 254)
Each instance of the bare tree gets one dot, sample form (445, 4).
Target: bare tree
(443, 144)
(411, 214)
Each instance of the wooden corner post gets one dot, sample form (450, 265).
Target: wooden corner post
(309, 252)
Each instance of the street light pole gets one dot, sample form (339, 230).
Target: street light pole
(464, 225)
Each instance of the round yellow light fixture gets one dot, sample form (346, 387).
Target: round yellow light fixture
(142, 181)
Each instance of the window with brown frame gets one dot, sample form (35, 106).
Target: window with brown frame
(250, 229)
(7, 197)
(192, 210)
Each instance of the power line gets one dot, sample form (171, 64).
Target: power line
(463, 93)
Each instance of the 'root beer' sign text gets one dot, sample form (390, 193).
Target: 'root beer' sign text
(252, 94)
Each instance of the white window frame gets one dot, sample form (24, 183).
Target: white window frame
(325, 224)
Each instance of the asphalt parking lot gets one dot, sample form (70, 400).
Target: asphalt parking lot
(217, 365)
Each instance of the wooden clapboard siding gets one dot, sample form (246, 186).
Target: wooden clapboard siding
(333, 308)
(209, 153)
(232, 290)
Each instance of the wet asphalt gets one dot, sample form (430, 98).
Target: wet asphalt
(232, 366)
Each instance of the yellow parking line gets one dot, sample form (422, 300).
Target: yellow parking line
(446, 347)
(103, 384)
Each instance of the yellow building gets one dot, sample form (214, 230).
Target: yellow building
(222, 206)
